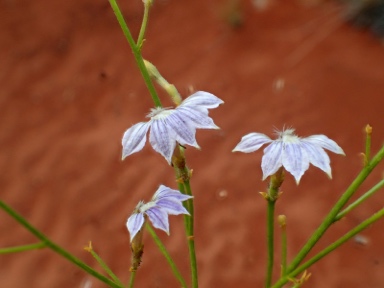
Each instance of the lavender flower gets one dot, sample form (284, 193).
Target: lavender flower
(164, 202)
(169, 126)
(290, 151)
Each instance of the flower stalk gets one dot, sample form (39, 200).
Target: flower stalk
(329, 219)
(183, 175)
(378, 215)
(56, 248)
(136, 49)
(271, 197)
(22, 248)
(167, 256)
(282, 219)
(103, 265)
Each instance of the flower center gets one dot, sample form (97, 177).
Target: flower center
(146, 206)
(288, 136)
(160, 112)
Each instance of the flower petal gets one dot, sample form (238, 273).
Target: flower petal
(200, 119)
(317, 156)
(166, 192)
(185, 133)
(295, 160)
(251, 142)
(159, 218)
(326, 143)
(162, 139)
(134, 138)
(134, 224)
(202, 99)
(173, 207)
(271, 161)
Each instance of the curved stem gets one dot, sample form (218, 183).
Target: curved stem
(329, 219)
(330, 248)
(56, 248)
(164, 251)
(136, 53)
(144, 23)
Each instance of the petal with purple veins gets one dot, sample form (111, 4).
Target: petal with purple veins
(317, 156)
(159, 218)
(134, 224)
(202, 99)
(252, 142)
(271, 161)
(162, 139)
(326, 143)
(134, 138)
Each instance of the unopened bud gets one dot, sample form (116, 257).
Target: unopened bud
(282, 220)
(137, 248)
(368, 129)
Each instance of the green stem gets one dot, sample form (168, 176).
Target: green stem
(22, 248)
(364, 197)
(270, 240)
(104, 265)
(190, 238)
(144, 23)
(283, 247)
(273, 194)
(187, 218)
(330, 248)
(136, 52)
(56, 248)
(368, 130)
(164, 251)
(132, 279)
(183, 175)
(329, 219)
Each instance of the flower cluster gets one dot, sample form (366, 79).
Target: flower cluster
(165, 201)
(290, 151)
(171, 126)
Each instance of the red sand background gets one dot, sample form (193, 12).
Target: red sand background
(69, 89)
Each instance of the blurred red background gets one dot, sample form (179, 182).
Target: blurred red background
(70, 88)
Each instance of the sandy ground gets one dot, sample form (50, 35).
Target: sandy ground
(70, 88)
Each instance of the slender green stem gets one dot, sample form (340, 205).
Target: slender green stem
(144, 23)
(273, 194)
(191, 239)
(183, 175)
(329, 219)
(164, 251)
(22, 248)
(270, 241)
(283, 225)
(368, 130)
(104, 265)
(364, 197)
(136, 52)
(56, 248)
(330, 248)
(132, 279)
(187, 218)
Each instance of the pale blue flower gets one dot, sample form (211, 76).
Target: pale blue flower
(169, 126)
(291, 152)
(165, 201)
